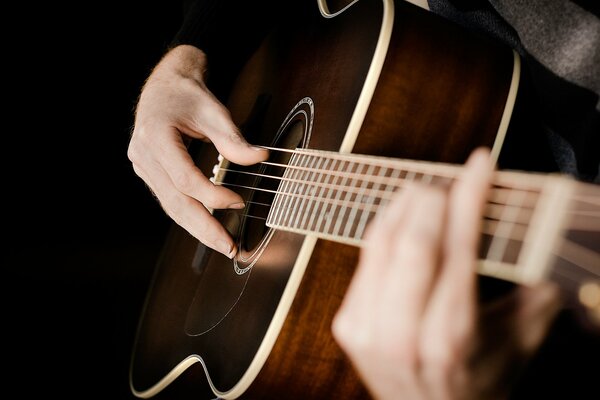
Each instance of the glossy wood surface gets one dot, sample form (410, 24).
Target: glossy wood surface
(441, 93)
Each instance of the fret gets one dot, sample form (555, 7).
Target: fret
(297, 186)
(329, 193)
(510, 213)
(285, 189)
(317, 204)
(348, 199)
(500, 239)
(426, 178)
(272, 218)
(489, 227)
(545, 225)
(317, 189)
(301, 209)
(366, 214)
(334, 196)
(358, 199)
(335, 211)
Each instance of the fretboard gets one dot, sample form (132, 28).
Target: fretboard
(334, 196)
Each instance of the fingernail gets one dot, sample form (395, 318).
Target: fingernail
(225, 248)
(237, 206)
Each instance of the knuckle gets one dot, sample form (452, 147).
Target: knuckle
(403, 352)
(133, 153)
(354, 338)
(341, 328)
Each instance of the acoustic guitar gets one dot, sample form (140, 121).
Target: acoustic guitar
(354, 103)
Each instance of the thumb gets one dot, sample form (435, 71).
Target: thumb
(216, 124)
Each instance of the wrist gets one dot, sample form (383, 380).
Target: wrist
(185, 61)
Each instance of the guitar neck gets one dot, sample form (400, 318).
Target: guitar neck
(524, 228)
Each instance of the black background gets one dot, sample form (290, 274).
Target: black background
(82, 232)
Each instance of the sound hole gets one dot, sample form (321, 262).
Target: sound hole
(220, 286)
(255, 229)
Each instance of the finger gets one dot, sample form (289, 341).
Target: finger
(449, 324)
(187, 178)
(186, 211)
(468, 197)
(214, 121)
(353, 319)
(415, 258)
(408, 284)
(362, 321)
(416, 240)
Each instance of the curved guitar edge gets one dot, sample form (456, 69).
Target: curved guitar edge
(309, 242)
(266, 345)
(509, 106)
(168, 378)
(378, 59)
(279, 317)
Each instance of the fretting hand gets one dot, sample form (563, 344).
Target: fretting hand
(411, 322)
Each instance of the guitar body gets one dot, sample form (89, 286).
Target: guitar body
(382, 78)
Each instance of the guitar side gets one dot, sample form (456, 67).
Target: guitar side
(383, 78)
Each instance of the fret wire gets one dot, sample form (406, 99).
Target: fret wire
(508, 213)
(359, 199)
(301, 209)
(490, 227)
(289, 194)
(497, 249)
(336, 198)
(322, 220)
(289, 212)
(502, 196)
(426, 178)
(285, 187)
(345, 200)
(367, 211)
(312, 204)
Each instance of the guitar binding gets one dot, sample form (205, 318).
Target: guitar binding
(253, 235)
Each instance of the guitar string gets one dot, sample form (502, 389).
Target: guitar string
(497, 196)
(500, 193)
(491, 213)
(530, 181)
(495, 206)
(582, 269)
(488, 227)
